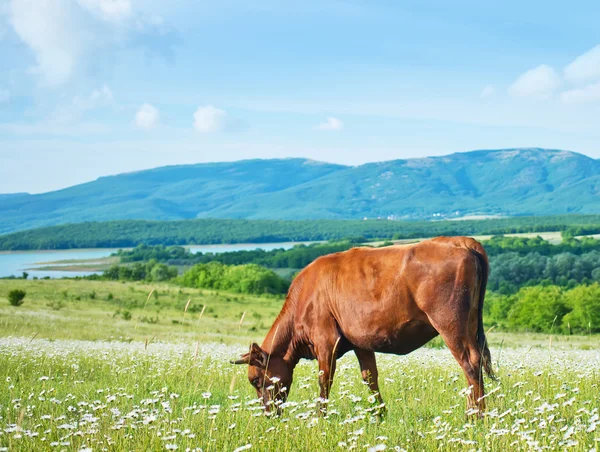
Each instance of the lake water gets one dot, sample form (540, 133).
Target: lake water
(15, 263)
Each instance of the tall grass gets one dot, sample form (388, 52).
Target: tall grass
(75, 395)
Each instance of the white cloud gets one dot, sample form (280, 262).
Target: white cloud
(4, 96)
(49, 29)
(98, 98)
(61, 33)
(113, 10)
(147, 117)
(540, 82)
(589, 93)
(487, 92)
(68, 119)
(330, 124)
(209, 119)
(72, 112)
(585, 67)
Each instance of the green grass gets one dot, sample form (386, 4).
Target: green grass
(93, 310)
(80, 377)
(125, 397)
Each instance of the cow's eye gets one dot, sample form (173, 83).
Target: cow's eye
(255, 382)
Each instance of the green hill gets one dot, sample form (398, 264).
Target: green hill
(512, 182)
(166, 193)
(505, 183)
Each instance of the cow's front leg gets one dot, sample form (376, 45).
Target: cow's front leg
(326, 355)
(326, 372)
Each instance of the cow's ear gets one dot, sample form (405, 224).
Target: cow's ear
(244, 359)
(255, 357)
(258, 357)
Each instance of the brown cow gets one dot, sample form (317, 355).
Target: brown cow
(389, 300)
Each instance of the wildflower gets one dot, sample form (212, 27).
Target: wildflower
(377, 448)
(240, 449)
(66, 427)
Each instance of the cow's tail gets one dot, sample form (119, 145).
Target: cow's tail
(483, 270)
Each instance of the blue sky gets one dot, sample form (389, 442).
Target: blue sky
(96, 87)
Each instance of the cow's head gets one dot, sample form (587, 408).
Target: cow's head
(270, 375)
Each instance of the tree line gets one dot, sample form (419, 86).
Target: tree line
(546, 309)
(511, 271)
(140, 271)
(249, 279)
(130, 233)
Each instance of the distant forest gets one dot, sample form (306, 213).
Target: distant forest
(130, 233)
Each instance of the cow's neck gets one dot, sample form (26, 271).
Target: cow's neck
(279, 340)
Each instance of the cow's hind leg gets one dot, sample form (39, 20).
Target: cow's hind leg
(368, 369)
(460, 335)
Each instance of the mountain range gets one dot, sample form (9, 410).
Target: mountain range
(506, 182)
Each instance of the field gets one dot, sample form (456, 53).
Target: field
(104, 310)
(552, 237)
(78, 373)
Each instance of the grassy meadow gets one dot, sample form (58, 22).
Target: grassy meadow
(107, 310)
(89, 365)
